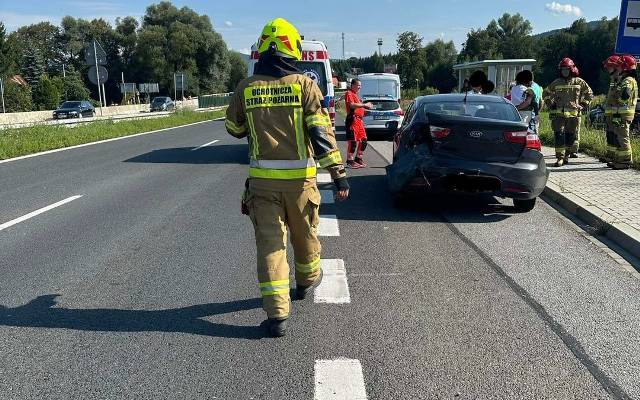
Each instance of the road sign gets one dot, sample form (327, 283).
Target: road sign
(127, 88)
(90, 56)
(181, 81)
(102, 72)
(149, 88)
(629, 29)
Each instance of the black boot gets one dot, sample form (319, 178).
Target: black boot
(277, 327)
(303, 291)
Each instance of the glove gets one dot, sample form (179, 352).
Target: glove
(244, 206)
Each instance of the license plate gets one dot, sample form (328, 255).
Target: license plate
(62, 115)
(380, 117)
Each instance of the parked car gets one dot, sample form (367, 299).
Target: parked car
(467, 143)
(386, 115)
(74, 109)
(162, 103)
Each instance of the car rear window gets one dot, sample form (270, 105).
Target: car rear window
(378, 87)
(384, 105)
(474, 108)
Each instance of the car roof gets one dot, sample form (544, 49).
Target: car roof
(460, 97)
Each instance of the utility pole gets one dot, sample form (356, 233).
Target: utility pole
(2, 95)
(380, 46)
(343, 45)
(97, 75)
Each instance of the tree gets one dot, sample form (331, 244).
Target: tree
(44, 37)
(238, 70)
(17, 98)
(508, 37)
(73, 87)
(46, 95)
(32, 65)
(7, 54)
(439, 58)
(411, 60)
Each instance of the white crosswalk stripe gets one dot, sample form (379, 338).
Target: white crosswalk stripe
(340, 379)
(328, 226)
(324, 178)
(334, 288)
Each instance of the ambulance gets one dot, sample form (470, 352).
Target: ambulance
(314, 64)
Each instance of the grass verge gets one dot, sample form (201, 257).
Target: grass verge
(23, 141)
(592, 141)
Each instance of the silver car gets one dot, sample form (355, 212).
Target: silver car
(385, 117)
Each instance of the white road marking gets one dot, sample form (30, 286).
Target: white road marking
(98, 142)
(324, 178)
(340, 379)
(204, 145)
(328, 226)
(327, 197)
(37, 212)
(334, 288)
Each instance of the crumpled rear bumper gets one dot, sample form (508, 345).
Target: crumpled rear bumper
(419, 171)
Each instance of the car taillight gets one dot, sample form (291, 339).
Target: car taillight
(530, 140)
(399, 113)
(332, 111)
(438, 132)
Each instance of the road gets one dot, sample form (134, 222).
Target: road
(141, 284)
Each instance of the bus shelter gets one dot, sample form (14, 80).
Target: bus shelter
(500, 72)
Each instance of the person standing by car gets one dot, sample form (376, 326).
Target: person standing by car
(620, 109)
(356, 134)
(567, 96)
(524, 98)
(280, 110)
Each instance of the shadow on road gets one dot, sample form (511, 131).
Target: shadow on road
(370, 200)
(41, 313)
(223, 154)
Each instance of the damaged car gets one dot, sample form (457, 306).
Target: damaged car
(467, 143)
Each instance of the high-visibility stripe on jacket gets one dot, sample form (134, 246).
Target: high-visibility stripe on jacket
(622, 98)
(566, 97)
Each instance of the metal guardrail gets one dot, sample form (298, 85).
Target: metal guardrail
(214, 100)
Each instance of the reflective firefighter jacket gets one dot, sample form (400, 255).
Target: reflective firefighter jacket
(622, 98)
(289, 131)
(565, 97)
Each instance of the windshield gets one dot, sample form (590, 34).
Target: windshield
(474, 108)
(379, 87)
(159, 100)
(70, 104)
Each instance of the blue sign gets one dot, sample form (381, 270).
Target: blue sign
(629, 30)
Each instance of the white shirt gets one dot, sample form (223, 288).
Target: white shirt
(518, 94)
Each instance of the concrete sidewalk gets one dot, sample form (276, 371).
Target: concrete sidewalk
(607, 200)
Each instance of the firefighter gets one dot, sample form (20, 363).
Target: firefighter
(567, 96)
(620, 109)
(280, 111)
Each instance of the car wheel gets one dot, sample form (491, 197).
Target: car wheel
(524, 205)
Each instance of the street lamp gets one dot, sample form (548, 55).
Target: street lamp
(380, 46)
(417, 87)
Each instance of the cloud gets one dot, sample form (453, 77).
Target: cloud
(556, 8)
(228, 23)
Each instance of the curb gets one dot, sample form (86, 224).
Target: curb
(605, 224)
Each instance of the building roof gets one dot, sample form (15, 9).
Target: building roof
(485, 63)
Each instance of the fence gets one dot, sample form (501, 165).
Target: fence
(214, 100)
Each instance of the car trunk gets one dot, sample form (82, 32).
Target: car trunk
(476, 139)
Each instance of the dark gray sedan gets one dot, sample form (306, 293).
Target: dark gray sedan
(467, 143)
(74, 109)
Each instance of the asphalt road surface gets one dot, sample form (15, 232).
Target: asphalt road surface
(127, 271)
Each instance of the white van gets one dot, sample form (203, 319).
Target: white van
(315, 64)
(380, 85)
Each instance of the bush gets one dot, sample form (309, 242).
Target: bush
(46, 95)
(17, 98)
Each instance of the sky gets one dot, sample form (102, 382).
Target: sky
(240, 21)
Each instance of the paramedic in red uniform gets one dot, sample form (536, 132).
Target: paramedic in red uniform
(356, 135)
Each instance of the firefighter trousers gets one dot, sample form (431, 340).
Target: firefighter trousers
(274, 215)
(619, 141)
(565, 130)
